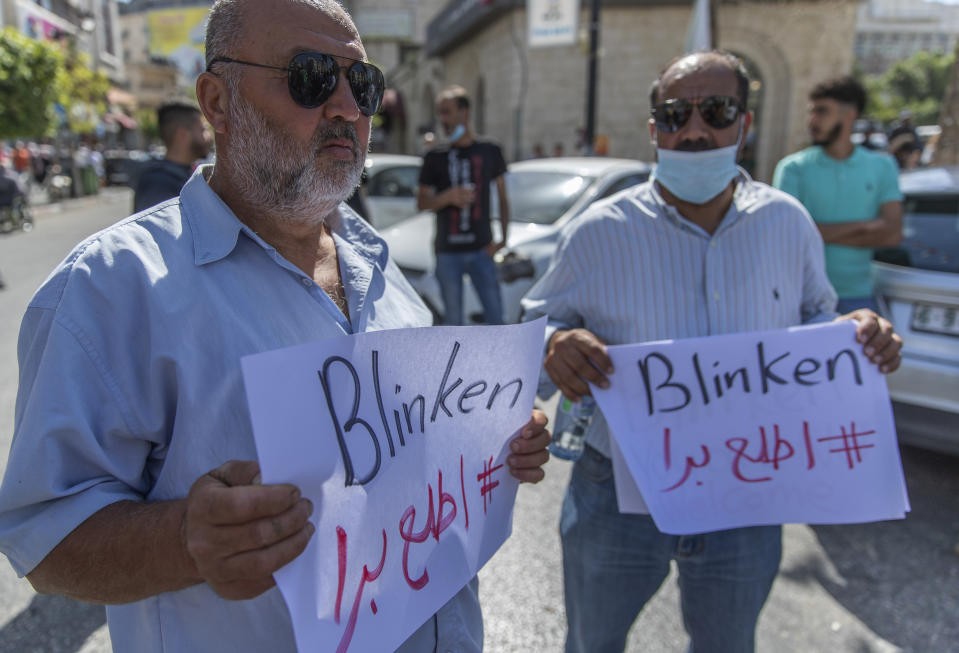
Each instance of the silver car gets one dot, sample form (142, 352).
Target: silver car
(917, 285)
(390, 189)
(544, 195)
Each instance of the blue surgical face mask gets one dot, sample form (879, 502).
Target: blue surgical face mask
(696, 177)
(457, 133)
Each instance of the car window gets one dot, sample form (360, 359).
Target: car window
(930, 234)
(400, 181)
(542, 197)
(624, 183)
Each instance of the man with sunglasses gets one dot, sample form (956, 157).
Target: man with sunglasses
(455, 182)
(851, 192)
(700, 249)
(130, 383)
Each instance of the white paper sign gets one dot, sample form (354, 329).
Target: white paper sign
(773, 427)
(552, 22)
(399, 439)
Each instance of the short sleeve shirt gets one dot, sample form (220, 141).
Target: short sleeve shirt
(835, 191)
(466, 229)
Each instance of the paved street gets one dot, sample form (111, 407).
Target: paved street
(891, 586)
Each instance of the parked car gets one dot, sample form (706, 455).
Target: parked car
(544, 195)
(917, 285)
(391, 183)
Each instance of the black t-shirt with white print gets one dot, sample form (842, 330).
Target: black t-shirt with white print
(467, 229)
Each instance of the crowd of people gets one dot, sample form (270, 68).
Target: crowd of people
(149, 501)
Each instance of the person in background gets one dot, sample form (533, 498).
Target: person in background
(852, 193)
(906, 150)
(187, 140)
(701, 249)
(22, 161)
(455, 183)
(133, 479)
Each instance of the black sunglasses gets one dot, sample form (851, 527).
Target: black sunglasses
(312, 77)
(718, 111)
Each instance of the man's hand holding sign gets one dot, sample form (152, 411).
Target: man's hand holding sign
(747, 429)
(411, 443)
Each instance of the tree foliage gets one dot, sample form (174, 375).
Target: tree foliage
(917, 84)
(82, 92)
(36, 77)
(29, 73)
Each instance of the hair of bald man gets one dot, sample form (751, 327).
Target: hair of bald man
(728, 59)
(456, 93)
(224, 28)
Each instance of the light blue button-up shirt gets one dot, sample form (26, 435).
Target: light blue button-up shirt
(131, 389)
(632, 269)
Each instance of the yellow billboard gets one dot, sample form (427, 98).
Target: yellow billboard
(178, 36)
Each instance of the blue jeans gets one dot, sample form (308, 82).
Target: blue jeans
(450, 268)
(849, 304)
(614, 563)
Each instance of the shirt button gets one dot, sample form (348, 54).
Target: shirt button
(306, 282)
(712, 243)
(716, 296)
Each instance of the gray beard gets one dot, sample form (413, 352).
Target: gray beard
(277, 173)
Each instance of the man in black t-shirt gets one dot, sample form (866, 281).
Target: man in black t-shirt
(455, 183)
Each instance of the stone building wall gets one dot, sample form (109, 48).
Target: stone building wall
(791, 44)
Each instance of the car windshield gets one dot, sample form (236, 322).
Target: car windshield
(930, 234)
(542, 197)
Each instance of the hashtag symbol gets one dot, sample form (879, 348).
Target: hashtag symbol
(850, 444)
(487, 485)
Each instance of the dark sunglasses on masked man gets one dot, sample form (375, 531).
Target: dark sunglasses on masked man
(312, 77)
(717, 111)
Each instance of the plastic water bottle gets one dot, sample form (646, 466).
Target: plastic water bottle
(569, 432)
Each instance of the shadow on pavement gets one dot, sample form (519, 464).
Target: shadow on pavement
(900, 577)
(52, 624)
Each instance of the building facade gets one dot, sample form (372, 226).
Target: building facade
(888, 31)
(92, 23)
(525, 97)
(163, 44)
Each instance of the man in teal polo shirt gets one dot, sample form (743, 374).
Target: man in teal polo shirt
(852, 193)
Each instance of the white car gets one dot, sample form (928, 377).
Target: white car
(544, 195)
(391, 183)
(918, 288)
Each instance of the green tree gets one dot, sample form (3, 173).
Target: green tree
(82, 92)
(917, 84)
(29, 73)
(147, 121)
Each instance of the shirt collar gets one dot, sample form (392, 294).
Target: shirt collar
(824, 158)
(216, 228)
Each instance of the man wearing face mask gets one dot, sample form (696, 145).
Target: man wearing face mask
(700, 249)
(455, 182)
(852, 193)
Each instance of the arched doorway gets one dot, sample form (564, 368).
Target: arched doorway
(770, 97)
(749, 159)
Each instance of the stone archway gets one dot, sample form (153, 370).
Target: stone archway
(774, 94)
